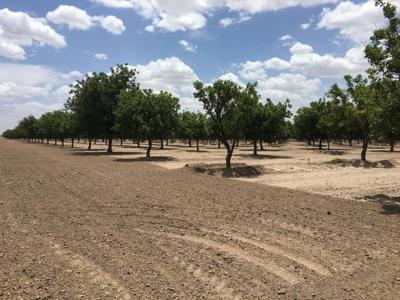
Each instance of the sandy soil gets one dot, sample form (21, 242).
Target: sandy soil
(297, 166)
(84, 225)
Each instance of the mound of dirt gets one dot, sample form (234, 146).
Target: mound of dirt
(237, 170)
(358, 163)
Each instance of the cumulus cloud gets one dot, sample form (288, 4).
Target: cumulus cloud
(171, 75)
(76, 18)
(225, 22)
(257, 70)
(305, 26)
(188, 46)
(184, 15)
(355, 21)
(19, 30)
(22, 94)
(232, 77)
(305, 61)
(286, 37)
(296, 87)
(17, 83)
(101, 56)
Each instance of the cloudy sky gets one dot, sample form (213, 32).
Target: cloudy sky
(294, 48)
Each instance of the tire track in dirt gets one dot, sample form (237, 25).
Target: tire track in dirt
(220, 287)
(313, 266)
(92, 271)
(79, 263)
(268, 266)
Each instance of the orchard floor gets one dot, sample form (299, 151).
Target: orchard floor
(338, 172)
(79, 224)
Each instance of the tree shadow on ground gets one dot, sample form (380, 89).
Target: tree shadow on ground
(358, 163)
(275, 149)
(237, 170)
(390, 204)
(103, 153)
(147, 159)
(385, 151)
(263, 156)
(195, 151)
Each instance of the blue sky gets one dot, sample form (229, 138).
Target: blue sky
(294, 49)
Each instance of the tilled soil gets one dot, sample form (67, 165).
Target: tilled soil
(94, 226)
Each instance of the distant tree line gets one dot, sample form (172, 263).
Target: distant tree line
(368, 107)
(111, 106)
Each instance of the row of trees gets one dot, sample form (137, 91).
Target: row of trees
(112, 105)
(367, 108)
(108, 106)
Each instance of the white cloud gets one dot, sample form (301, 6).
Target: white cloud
(112, 24)
(305, 26)
(10, 90)
(354, 21)
(286, 37)
(188, 46)
(257, 70)
(72, 16)
(17, 83)
(225, 22)
(277, 64)
(174, 15)
(232, 77)
(301, 49)
(295, 87)
(12, 51)
(305, 61)
(76, 18)
(26, 89)
(101, 56)
(19, 30)
(171, 75)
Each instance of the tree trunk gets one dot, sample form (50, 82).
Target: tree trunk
(55, 141)
(313, 143)
(190, 142)
(162, 144)
(229, 153)
(197, 145)
(90, 144)
(72, 142)
(109, 150)
(350, 142)
(149, 148)
(364, 149)
(122, 142)
(167, 142)
(219, 144)
(138, 143)
(261, 146)
(320, 144)
(255, 147)
(62, 142)
(48, 141)
(392, 146)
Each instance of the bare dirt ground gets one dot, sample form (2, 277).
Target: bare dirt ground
(85, 225)
(337, 172)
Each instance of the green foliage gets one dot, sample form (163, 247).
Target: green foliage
(94, 100)
(147, 114)
(220, 101)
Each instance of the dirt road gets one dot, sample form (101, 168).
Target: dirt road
(84, 225)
